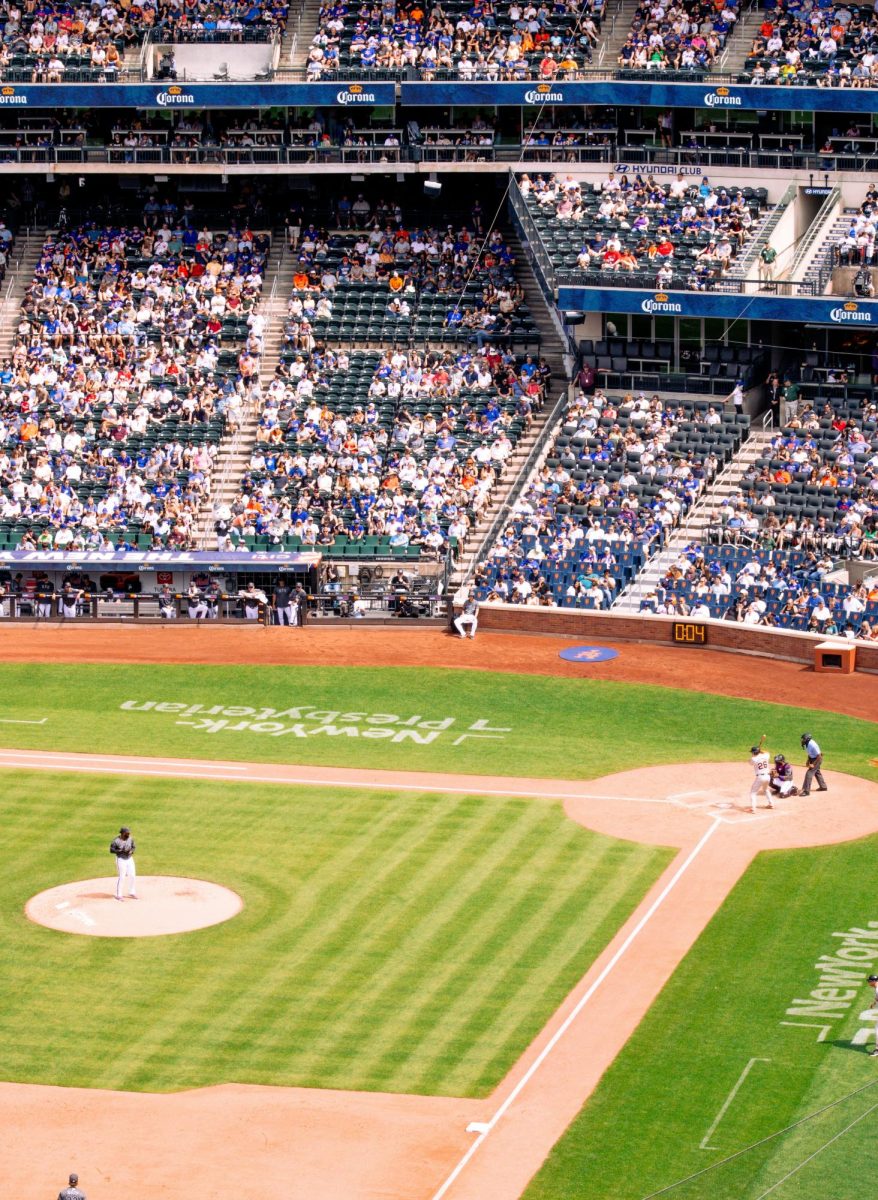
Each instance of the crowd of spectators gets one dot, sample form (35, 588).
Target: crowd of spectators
(774, 544)
(417, 265)
(677, 36)
(758, 587)
(215, 20)
(48, 43)
(135, 346)
(457, 39)
(400, 449)
(619, 476)
(832, 46)
(682, 233)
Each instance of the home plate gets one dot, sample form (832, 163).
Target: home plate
(166, 904)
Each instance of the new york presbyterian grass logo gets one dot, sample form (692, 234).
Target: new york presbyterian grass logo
(8, 95)
(543, 93)
(355, 95)
(174, 95)
(660, 303)
(721, 97)
(850, 312)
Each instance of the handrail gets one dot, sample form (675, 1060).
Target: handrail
(542, 262)
(816, 229)
(767, 229)
(525, 472)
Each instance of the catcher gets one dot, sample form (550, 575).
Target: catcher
(781, 781)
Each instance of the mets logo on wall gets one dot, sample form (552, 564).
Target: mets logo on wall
(544, 93)
(355, 95)
(850, 312)
(8, 95)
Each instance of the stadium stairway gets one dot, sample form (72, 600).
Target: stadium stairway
(740, 43)
(301, 27)
(19, 275)
(615, 29)
(235, 448)
(694, 526)
(823, 258)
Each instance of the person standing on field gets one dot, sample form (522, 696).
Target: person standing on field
(123, 847)
(761, 764)
(873, 984)
(71, 1192)
(814, 763)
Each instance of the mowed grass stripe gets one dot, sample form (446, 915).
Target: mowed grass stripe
(490, 1024)
(459, 988)
(350, 946)
(459, 920)
(269, 966)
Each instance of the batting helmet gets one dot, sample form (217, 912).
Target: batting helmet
(754, 749)
(873, 979)
(124, 831)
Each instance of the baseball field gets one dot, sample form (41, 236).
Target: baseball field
(509, 874)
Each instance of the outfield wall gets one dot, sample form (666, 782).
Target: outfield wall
(624, 627)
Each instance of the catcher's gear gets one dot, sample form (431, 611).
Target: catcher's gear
(779, 758)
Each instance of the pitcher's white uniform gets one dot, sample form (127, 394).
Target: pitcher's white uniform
(761, 764)
(123, 848)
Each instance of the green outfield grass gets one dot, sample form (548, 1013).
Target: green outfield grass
(411, 943)
(641, 1131)
(566, 728)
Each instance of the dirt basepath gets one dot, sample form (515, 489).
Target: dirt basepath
(296, 1144)
(671, 666)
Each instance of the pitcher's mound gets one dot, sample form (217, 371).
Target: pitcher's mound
(165, 904)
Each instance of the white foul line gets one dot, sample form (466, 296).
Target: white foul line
(727, 1103)
(18, 759)
(169, 762)
(10, 721)
(584, 999)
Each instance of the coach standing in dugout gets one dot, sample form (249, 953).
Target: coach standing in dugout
(282, 602)
(71, 1192)
(814, 763)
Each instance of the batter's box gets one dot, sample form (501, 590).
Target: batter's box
(726, 803)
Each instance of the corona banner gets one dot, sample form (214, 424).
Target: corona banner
(811, 310)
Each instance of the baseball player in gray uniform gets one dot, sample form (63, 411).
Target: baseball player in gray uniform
(123, 847)
(71, 1192)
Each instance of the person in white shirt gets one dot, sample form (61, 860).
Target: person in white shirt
(761, 764)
